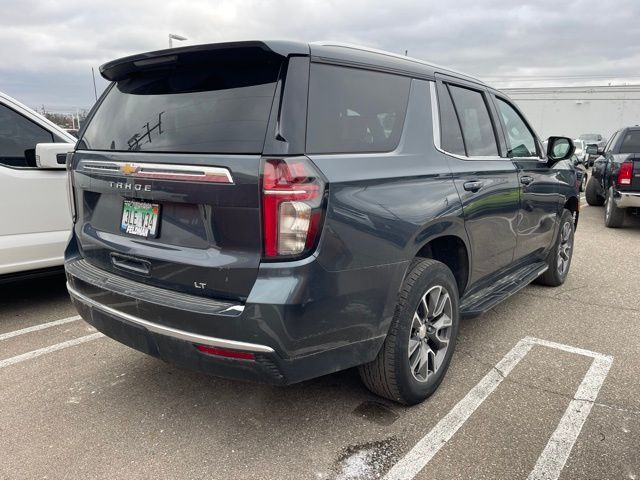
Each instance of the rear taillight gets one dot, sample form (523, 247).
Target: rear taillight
(292, 206)
(70, 190)
(625, 174)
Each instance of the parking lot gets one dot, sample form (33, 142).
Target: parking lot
(75, 404)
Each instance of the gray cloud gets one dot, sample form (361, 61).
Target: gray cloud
(48, 48)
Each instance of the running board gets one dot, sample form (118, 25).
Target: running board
(483, 300)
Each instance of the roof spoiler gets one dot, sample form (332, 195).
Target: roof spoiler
(198, 54)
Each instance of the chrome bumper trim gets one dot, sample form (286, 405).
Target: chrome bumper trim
(168, 331)
(626, 200)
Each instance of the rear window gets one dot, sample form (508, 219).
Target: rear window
(631, 142)
(352, 110)
(208, 108)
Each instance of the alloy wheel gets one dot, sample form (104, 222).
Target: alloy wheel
(564, 249)
(430, 333)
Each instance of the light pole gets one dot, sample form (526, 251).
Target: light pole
(173, 36)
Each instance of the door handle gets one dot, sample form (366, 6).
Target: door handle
(473, 186)
(526, 180)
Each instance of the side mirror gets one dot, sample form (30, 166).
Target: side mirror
(560, 148)
(593, 150)
(52, 155)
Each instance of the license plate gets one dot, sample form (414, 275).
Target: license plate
(140, 218)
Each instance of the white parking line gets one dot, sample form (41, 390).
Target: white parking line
(42, 326)
(555, 454)
(53, 348)
(551, 462)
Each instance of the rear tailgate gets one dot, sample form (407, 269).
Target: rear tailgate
(167, 172)
(207, 237)
(629, 151)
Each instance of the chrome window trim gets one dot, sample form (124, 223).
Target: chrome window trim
(152, 170)
(169, 331)
(436, 131)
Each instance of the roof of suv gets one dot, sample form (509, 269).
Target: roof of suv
(337, 52)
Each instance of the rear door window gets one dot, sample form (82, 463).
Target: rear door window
(215, 108)
(477, 129)
(352, 110)
(450, 133)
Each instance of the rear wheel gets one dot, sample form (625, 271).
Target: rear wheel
(417, 351)
(559, 258)
(591, 194)
(613, 216)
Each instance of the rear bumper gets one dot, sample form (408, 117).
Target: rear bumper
(294, 332)
(627, 200)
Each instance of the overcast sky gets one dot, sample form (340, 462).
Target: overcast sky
(47, 48)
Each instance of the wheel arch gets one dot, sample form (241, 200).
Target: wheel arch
(450, 247)
(573, 205)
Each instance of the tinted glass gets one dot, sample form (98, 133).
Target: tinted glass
(209, 108)
(631, 142)
(476, 123)
(450, 133)
(353, 110)
(520, 140)
(18, 139)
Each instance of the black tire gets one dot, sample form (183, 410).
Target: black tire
(591, 193)
(390, 375)
(613, 216)
(559, 258)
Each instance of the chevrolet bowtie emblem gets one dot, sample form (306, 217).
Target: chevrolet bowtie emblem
(128, 168)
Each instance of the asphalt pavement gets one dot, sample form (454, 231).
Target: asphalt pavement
(543, 386)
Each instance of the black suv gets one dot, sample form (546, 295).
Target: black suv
(277, 211)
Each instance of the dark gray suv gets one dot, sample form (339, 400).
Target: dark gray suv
(277, 211)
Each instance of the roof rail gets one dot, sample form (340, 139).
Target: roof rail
(329, 43)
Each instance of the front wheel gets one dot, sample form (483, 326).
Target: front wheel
(559, 258)
(613, 216)
(417, 351)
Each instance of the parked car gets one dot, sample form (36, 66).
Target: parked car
(277, 211)
(34, 218)
(581, 172)
(578, 165)
(581, 152)
(594, 139)
(615, 177)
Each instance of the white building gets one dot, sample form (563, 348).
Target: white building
(571, 111)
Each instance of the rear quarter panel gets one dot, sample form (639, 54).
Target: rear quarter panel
(384, 207)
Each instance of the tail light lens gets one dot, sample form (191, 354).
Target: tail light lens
(292, 206)
(625, 174)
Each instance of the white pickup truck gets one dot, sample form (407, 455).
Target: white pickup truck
(34, 216)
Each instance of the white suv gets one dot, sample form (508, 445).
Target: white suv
(34, 218)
